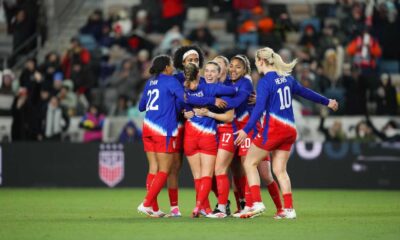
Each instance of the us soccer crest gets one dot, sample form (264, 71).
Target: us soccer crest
(111, 163)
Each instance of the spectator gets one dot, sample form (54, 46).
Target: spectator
(142, 22)
(21, 112)
(309, 39)
(365, 50)
(6, 92)
(123, 81)
(130, 133)
(120, 109)
(386, 97)
(143, 65)
(173, 14)
(83, 80)
(50, 66)
(201, 36)
(92, 122)
(106, 40)
(390, 132)
(57, 83)
(68, 98)
(29, 74)
(76, 54)
(331, 66)
(334, 133)
(386, 24)
(355, 91)
(22, 28)
(124, 23)
(172, 41)
(55, 120)
(364, 133)
(94, 25)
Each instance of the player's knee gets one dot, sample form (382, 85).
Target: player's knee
(279, 172)
(219, 170)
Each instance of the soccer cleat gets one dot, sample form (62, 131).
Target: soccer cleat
(257, 209)
(148, 211)
(196, 213)
(204, 212)
(279, 214)
(290, 213)
(159, 214)
(242, 204)
(217, 214)
(174, 212)
(244, 211)
(228, 208)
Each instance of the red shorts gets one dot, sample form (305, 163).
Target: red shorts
(179, 138)
(244, 147)
(226, 139)
(279, 138)
(160, 144)
(196, 141)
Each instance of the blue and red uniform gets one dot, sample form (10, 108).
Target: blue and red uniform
(242, 113)
(200, 132)
(160, 126)
(181, 120)
(274, 102)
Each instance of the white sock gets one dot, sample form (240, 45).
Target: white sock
(222, 207)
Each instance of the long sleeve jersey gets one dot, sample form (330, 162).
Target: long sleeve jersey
(274, 100)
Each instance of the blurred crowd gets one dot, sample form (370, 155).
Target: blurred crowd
(347, 51)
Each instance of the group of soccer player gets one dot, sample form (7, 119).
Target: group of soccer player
(221, 125)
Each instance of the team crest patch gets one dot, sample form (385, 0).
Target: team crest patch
(111, 163)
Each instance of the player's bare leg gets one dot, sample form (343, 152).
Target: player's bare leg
(253, 158)
(172, 184)
(264, 168)
(280, 159)
(207, 171)
(164, 161)
(223, 161)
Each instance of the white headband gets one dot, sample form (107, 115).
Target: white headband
(191, 51)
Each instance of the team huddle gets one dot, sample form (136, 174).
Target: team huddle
(221, 125)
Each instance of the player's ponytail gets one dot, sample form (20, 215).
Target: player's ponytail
(271, 58)
(191, 72)
(159, 64)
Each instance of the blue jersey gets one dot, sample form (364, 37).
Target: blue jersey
(240, 103)
(204, 90)
(158, 100)
(274, 100)
(181, 78)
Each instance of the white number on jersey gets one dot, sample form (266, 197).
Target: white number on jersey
(153, 96)
(226, 137)
(285, 97)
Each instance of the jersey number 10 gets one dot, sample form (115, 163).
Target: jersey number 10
(285, 97)
(153, 96)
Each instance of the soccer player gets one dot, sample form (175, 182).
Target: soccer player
(183, 56)
(239, 68)
(278, 132)
(160, 126)
(200, 141)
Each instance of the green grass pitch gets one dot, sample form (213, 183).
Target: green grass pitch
(111, 214)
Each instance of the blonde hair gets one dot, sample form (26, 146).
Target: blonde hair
(272, 58)
(224, 59)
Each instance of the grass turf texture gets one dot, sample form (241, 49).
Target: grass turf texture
(111, 214)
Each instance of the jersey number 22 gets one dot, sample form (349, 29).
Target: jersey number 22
(151, 103)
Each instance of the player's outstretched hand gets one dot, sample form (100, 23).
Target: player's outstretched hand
(333, 104)
(219, 103)
(241, 136)
(188, 114)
